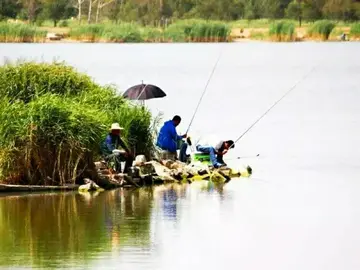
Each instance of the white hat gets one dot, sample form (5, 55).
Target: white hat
(116, 126)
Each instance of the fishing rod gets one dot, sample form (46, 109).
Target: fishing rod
(244, 157)
(268, 110)
(203, 93)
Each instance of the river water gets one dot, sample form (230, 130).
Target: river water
(298, 211)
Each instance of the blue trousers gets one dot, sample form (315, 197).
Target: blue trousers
(215, 160)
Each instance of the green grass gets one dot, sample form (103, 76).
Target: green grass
(52, 120)
(125, 32)
(258, 35)
(260, 23)
(198, 31)
(321, 29)
(282, 31)
(355, 30)
(11, 32)
(181, 31)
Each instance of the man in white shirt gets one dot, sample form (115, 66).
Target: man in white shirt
(217, 152)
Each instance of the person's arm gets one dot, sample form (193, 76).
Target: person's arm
(174, 134)
(123, 145)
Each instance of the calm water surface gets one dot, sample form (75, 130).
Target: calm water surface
(299, 211)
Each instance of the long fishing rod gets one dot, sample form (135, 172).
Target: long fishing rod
(203, 93)
(268, 110)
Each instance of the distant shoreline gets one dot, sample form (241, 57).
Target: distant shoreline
(186, 31)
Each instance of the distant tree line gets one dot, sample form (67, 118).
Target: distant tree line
(150, 12)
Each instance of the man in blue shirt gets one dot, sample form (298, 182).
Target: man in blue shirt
(168, 138)
(110, 151)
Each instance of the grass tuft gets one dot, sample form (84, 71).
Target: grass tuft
(11, 32)
(321, 29)
(282, 31)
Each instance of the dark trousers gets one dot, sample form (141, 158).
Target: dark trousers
(116, 160)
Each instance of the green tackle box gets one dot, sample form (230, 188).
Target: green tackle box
(202, 157)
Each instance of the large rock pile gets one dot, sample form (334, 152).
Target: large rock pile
(154, 172)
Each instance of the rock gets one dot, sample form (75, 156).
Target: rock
(89, 186)
(105, 172)
(53, 36)
(100, 165)
(147, 168)
(162, 171)
(139, 160)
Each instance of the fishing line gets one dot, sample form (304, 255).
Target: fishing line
(268, 110)
(203, 93)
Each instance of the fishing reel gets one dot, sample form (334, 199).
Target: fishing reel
(188, 141)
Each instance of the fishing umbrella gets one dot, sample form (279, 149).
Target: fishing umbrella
(144, 92)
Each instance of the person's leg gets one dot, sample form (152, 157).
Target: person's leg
(128, 162)
(220, 159)
(208, 150)
(213, 156)
(182, 154)
(203, 148)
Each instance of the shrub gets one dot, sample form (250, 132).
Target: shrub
(355, 30)
(282, 31)
(321, 29)
(198, 31)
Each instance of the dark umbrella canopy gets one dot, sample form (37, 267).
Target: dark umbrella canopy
(144, 92)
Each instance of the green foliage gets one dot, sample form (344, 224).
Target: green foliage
(181, 31)
(355, 30)
(154, 12)
(92, 32)
(125, 32)
(56, 9)
(9, 8)
(11, 32)
(64, 23)
(321, 29)
(282, 31)
(151, 34)
(198, 31)
(294, 10)
(53, 119)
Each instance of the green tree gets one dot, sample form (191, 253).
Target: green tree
(295, 10)
(31, 9)
(56, 9)
(9, 8)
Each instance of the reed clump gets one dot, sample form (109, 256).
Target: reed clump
(355, 31)
(321, 29)
(12, 32)
(282, 31)
(53, 119)
(125, 32)
(198, 31)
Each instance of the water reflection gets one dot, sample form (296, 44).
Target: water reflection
(71, 229)
(54, 230)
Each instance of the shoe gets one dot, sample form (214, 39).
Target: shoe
(218, 165)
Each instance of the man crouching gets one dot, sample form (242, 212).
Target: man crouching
(110, 151)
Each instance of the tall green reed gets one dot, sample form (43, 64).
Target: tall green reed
(321, 29)
(53, 119)
(282, 31)
(11, 32)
